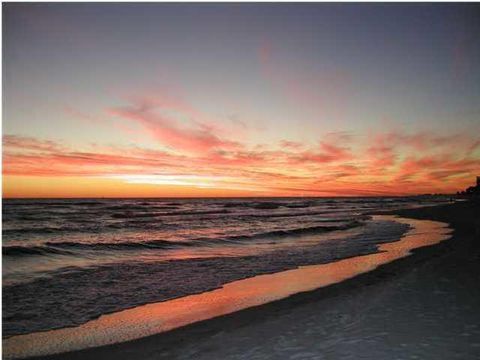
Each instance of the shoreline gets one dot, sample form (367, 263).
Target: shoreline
(166, 345)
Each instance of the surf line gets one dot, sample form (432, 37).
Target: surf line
(163, 316)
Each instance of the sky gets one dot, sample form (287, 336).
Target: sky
(186, 100)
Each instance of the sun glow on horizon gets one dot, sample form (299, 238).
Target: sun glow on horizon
(197, 181)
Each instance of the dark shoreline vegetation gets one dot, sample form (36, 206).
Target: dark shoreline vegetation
(453, 266)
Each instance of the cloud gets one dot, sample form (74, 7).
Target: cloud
(175, 124)
(421, 140)
(28, 156)
(342, 164)
(329, 151)
(29, 143)
(339, 153)
(291, 144)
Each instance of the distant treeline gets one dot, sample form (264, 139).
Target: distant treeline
(471, 191)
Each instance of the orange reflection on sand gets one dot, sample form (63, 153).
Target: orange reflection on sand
(159, 317)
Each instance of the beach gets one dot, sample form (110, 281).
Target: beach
(420, 306)
(240, 181)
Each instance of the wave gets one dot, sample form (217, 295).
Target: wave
(92, 203)
(128, 215)
(268, 205)
(51, 203)
(306, 213)
(42, 230)
(299, 231)
(299, 206)
(127, 207)
(152, 244)
(90, 222)
(141, 206)
(70, 248)
(196, 212)
(32, 250)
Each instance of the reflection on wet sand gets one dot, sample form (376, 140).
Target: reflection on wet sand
(159, 317)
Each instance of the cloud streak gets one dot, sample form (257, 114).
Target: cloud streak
(175, 124)
(394, 163)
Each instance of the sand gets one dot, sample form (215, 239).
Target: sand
(422, 306)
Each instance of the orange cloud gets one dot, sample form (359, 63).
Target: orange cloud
(342, 164)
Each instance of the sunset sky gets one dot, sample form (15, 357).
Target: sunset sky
(146, 100)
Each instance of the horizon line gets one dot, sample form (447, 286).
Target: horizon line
(225, 197)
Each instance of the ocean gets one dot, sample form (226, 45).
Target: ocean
(68, 261)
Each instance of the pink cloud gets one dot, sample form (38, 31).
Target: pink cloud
(291, 144)
(338, 152)
(195, 137)
(330, 151)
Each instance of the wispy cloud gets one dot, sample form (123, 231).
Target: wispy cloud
(175, 124)
(15, 142)
(343, 164)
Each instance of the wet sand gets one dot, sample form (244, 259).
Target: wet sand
(422, 306)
